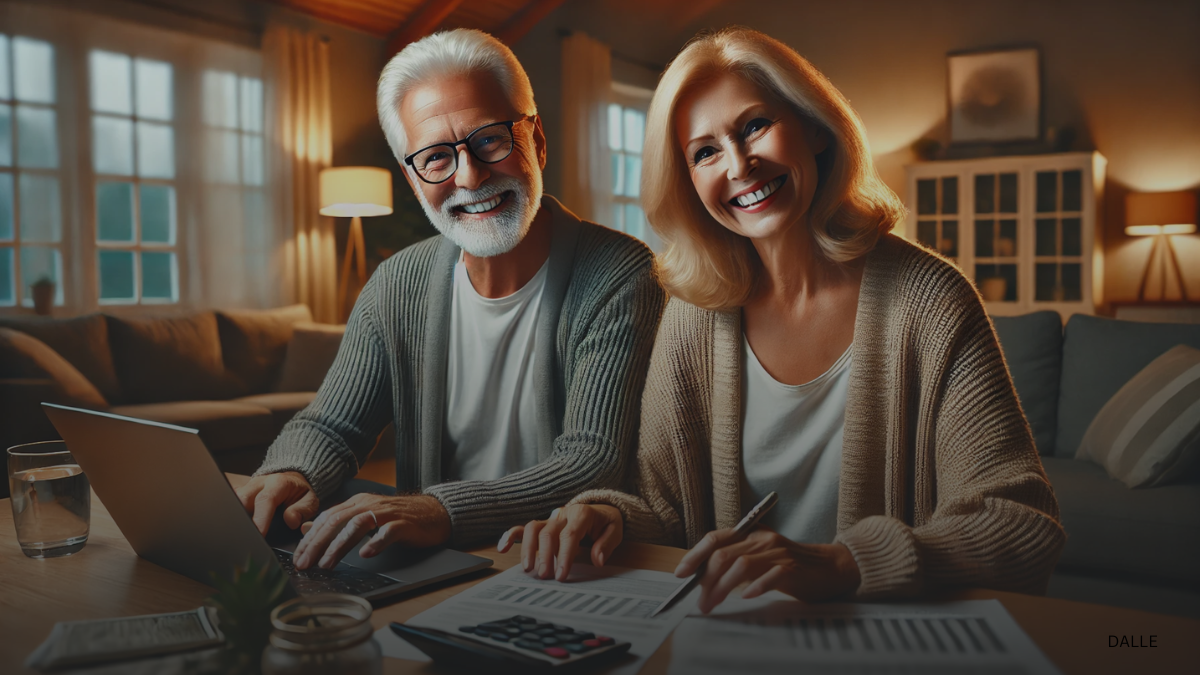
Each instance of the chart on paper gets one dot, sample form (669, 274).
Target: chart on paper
(779, 636)
(616, 602)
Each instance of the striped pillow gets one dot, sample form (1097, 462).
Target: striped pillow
(1149, 431)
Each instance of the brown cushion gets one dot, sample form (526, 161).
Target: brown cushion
(254, 342)
(24, 356)
(283, 404)
(309, 356)
(170, 359)
(82, 341)
(223, 425)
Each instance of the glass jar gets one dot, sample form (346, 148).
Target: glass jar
(324, 633)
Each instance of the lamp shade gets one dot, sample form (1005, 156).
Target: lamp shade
(1149, 213)
(349, 191)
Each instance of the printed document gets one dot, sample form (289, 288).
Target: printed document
(775, 634)
(611, 601)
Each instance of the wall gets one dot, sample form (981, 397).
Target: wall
(1124, 75)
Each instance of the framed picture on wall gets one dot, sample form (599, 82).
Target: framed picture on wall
(995, 96)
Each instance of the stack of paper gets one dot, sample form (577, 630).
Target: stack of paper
(775, 634)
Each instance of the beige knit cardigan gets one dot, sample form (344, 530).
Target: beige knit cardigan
(941, 486)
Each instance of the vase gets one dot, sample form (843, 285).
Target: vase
(43, 298)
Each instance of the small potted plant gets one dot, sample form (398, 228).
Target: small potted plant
(244, 605)
(43, 295)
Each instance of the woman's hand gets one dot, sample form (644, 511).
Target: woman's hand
(559, 537)
(419, 521)
(769, 561)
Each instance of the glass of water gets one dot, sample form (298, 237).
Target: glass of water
(51, 499)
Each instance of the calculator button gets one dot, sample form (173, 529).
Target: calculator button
(556, 652)
(567, 637)
(482, 632)
(563, 629)
(591, 643)
(512, 630)
(529, 644)
(467, 629)
(543, 624)
(545, 632)
(584, 635)
(550, 641)
(523, 619)
(576, 648)
(605, 640)
(500, 637)
(531, 636)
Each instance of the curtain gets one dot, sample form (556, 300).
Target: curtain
(586, 87)
(296, 74)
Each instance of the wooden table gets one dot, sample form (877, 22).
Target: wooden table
(107, 579)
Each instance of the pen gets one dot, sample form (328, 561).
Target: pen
(747, 523)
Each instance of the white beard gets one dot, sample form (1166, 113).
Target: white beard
(498, 233)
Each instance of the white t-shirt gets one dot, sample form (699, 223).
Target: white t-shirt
(491, 414)
(792, 444)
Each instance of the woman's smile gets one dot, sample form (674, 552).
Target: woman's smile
(759, 196)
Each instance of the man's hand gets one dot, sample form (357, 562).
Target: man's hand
(559, 537)
(263, 494)
(768, 560)
(419, 521)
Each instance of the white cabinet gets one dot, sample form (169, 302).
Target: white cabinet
(1025, 229)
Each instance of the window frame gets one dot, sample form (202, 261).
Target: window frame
(16, 171)
(629, 97)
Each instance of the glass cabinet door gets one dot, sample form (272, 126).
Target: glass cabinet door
(937, 215)
(1058, 236)
(997, 249)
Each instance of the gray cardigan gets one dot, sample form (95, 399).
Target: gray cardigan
(600, 311)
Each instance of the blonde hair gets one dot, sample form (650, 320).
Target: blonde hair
(462, 51)
(706, 264)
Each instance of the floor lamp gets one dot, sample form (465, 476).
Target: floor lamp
(1161, 215)
(353, 192)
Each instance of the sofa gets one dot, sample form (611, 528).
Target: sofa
(235, 376)
(1137, 548)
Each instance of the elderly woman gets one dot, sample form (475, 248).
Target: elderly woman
(807, 351)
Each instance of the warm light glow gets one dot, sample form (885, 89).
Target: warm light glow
(1151, 230)
(349, 191)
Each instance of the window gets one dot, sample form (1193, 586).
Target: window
(133, 158)
(233, 117)
(31, 213)
(626, 132)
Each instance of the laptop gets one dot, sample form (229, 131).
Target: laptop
(164, 490)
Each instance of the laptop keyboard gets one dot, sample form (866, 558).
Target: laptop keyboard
(341, 579)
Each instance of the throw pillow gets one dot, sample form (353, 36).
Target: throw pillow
(82, 341)
(174, 358)
(1032, 345)
(1149, 432)
(254, 343)
(24, 356)
(310, 354)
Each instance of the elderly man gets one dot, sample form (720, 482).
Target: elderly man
(510, 351)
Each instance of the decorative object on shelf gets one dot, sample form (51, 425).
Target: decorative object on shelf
(1161, 215)
(353, 192)
(43, 296)
(1024, 228)
(245, 605)
(994, 96)
(926, 149)
(323, 633)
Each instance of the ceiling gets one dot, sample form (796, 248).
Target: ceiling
(403, 21)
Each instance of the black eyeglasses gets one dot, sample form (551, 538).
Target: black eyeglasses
(489, 144)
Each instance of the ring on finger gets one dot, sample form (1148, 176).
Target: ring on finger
(374, 519)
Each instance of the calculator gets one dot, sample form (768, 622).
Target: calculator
(515, 644)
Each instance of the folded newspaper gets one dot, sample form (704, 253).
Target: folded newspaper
(79, 643)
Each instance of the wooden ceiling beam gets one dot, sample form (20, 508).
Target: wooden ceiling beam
(420, 23)
(511, 31)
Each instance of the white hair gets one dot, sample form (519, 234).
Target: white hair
(456, 52)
